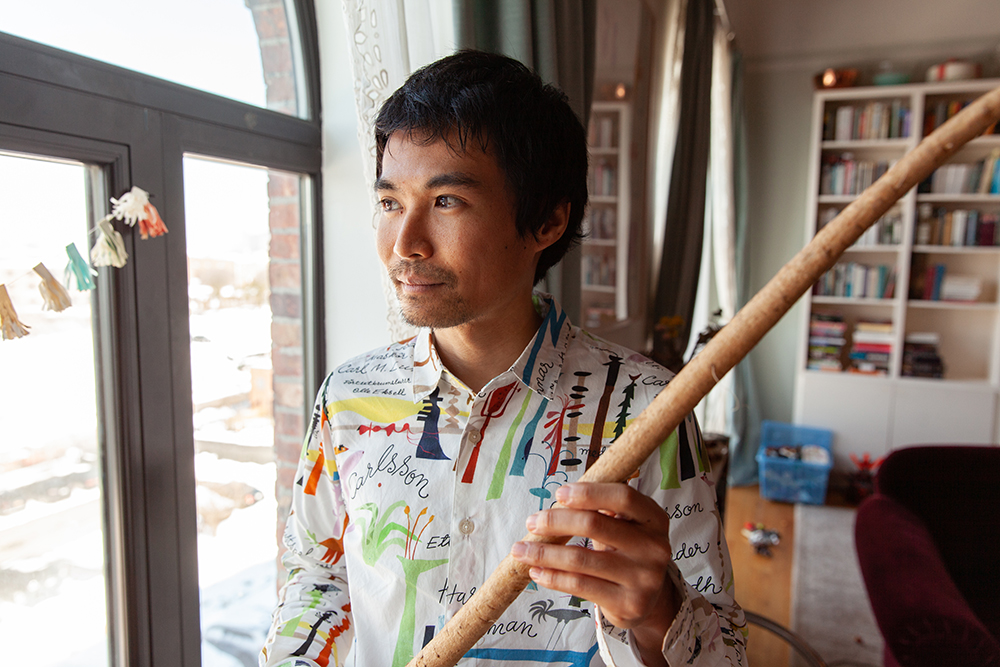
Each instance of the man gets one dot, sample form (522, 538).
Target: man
(427, 460)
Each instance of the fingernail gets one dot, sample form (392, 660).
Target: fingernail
(518, 549)
(535, 573)
(564, 493)
(531, 522)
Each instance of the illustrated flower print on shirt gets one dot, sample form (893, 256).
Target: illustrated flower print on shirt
(411, 489)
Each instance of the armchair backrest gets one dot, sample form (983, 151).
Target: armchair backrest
(955, 490)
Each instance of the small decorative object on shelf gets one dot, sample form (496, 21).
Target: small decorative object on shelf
(954, 69)
(835, 78)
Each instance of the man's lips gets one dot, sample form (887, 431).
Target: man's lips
(412, 280)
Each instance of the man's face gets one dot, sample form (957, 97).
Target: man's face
(446, 234)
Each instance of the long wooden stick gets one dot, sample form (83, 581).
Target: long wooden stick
(725, 350)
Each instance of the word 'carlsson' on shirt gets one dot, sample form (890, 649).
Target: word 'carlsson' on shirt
(411, 489)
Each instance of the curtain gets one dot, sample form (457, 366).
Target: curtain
(745, 434)
(556, 39)
(389, 40)
(683, 233)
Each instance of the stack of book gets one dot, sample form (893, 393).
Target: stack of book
(843, 175)
(958, 227)
(887, 230)
(871, 347)
(982, 177)
(826, 342)
(875, 120)
(934, 284)
(858, 281)
(920, 356)
(938, 112)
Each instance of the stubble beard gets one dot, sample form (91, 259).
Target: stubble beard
(442, 309)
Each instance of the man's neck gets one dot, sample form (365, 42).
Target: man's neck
(479, 351)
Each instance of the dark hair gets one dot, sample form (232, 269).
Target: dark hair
(527, 125)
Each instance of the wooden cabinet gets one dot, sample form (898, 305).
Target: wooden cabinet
(900, 343)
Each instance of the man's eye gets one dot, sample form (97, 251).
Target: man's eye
(389, 205)
(446, 201)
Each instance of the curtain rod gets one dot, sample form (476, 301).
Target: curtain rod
(720, 11)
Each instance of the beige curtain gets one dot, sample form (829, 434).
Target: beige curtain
(390, 39)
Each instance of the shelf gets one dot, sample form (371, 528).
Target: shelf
(603, 243)
(853, 301)
(957, 249)
(835, 199)
(949, 383)
(606, 289)
(894, 248)
(604, 150)
(957, 198)
(603, 199)
(950, 305)
(860, 144)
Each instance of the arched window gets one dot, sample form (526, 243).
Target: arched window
(245, 50)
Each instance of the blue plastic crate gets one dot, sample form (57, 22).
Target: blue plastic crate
(789, 480)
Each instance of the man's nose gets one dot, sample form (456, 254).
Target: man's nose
(412, 236)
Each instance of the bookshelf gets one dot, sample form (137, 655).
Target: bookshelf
(900, 342)
(604, 256)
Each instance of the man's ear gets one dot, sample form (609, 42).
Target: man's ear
(553, 228)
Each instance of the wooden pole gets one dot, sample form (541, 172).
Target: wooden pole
(725, 350)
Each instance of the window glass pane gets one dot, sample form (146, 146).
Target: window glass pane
(245, 305)
(52, 564)
(240, 49)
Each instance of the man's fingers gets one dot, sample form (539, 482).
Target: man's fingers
(616, 499)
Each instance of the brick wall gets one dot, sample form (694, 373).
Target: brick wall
(285, 271)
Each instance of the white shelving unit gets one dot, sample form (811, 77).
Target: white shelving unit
(876, 413)
(604, 262)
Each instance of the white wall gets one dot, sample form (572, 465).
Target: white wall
(785, 43)
(355, 305)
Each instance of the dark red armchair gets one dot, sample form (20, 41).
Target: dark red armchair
(928, 542)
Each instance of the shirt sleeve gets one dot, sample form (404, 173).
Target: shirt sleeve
(312, 625)
(710, 628)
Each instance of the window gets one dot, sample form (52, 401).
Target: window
(113, 129)
(255, 59)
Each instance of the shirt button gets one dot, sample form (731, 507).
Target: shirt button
(466, 526)
(474, 437)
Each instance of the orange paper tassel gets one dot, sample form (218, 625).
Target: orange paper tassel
(11, 326)
(152, 223)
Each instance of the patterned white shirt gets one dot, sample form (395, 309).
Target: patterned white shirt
(411, 489)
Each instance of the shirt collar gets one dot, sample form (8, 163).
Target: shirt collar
(538, 367)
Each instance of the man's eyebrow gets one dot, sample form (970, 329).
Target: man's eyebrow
(458, 178)
(454, 178)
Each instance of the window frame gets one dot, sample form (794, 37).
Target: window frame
(136, 129)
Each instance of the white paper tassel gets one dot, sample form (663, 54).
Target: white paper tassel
(131, 207)
(11, 326)
(53, 293)
(109, 250)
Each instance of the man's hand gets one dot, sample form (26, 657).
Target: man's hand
(626, 574)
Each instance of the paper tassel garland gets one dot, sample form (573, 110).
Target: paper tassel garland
(11, 326)
(109, 250)
(53, 293)
(134, 206)
(79, 269)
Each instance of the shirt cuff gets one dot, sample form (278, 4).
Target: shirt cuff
(683, 643)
